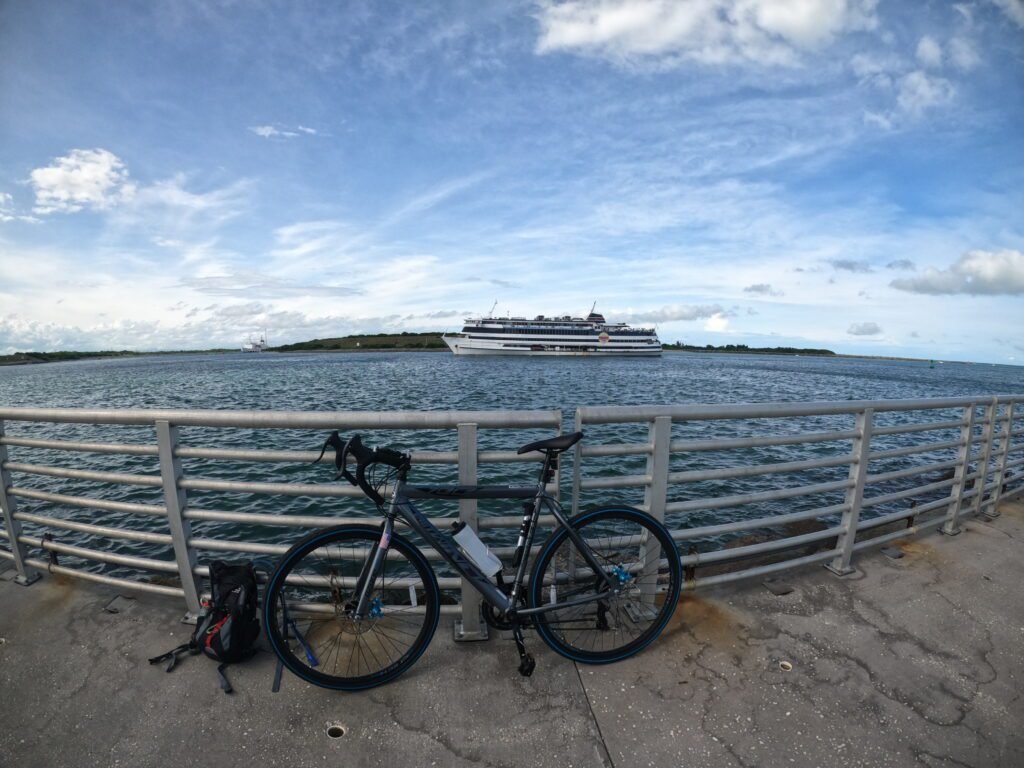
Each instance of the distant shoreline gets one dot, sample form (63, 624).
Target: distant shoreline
(433, 342)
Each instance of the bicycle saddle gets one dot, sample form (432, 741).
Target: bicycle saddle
(553, 444)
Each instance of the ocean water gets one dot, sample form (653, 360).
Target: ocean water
(440, 381)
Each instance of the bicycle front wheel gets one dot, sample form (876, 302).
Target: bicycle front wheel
(309, 609)
(618, 620)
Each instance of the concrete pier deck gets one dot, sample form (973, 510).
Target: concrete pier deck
(916, 661)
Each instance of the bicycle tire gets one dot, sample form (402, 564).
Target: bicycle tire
(626, 541)
(312, 632)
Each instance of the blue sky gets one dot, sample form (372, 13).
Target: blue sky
(830, 173)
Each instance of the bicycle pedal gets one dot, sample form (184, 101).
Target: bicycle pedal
(527, 665)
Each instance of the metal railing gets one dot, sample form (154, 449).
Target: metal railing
(865, 474)
(720, 476)
(165, 522)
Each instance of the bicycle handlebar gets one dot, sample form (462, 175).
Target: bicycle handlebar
(364, 456)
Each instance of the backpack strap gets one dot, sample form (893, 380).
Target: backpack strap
(173, 654)
(225, 684)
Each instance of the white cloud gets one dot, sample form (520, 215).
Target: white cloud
(274, 132)
(919, 92)
(875, 118)
(977, 273)
(929, 52)
(851, 265)
(764, 289)
(9, 213)
(1014, 10)
(904, 264)
(963, 55)
(717, 323)
(270, 132)
(672, 313)
(84, 178)
(708, 32)
(864, 329)
(250, 283)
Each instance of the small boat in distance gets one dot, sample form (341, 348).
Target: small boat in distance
(256, 346)
(592, 336)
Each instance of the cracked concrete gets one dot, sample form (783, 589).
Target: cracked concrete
(908, 662)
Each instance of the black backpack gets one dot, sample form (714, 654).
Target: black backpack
(228, 626)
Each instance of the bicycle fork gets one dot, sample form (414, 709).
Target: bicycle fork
(361, 603)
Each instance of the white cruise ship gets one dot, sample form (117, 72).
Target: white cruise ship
(590, 336)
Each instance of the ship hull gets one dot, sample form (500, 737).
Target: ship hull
(461, 345)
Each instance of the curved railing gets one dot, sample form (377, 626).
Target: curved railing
(747, 489)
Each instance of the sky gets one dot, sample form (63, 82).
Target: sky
(845, 174)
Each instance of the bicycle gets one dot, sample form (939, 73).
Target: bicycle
(354, 606)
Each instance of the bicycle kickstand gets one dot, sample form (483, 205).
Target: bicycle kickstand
(526, 662)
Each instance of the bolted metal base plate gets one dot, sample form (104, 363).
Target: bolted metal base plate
(475, 634)
(840, 571)
(25, 581)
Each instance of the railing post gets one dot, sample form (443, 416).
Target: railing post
(660, 437)
(952, 527)
(1004, 455)
(988, 435)
(577, 465)
(176, 501)
(471, 626)
(26, 573)
(655, 496)
(840, 565)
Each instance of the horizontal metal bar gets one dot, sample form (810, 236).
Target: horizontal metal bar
(88, 503)
(903, 514)
(251, 547)
(67, 445)
(512, 521)
(335, 490)
(123, 478)
(340, 420)
(759, 469)
(619, 449)
(96, 530)
(310, 457)
(619, 481)
(874, 541)
(910, 450)
(113, 581)
(912, 471)
(143, 563)
(617, 414)
(753, 498)
(761, 570)
(738, 553)
(684, 534)
(900, 429)
(257, 518)
(896, 496)
(726, 444)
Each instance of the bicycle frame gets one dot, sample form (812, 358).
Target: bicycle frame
(401, 505)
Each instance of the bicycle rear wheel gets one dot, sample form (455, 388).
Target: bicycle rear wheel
(310, 603)
(640, 556)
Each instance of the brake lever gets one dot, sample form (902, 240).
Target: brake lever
(340, 456)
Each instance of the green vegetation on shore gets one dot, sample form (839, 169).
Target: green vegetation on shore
(31, 358)
(743, 349)
(367, 341)
(27, 358)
